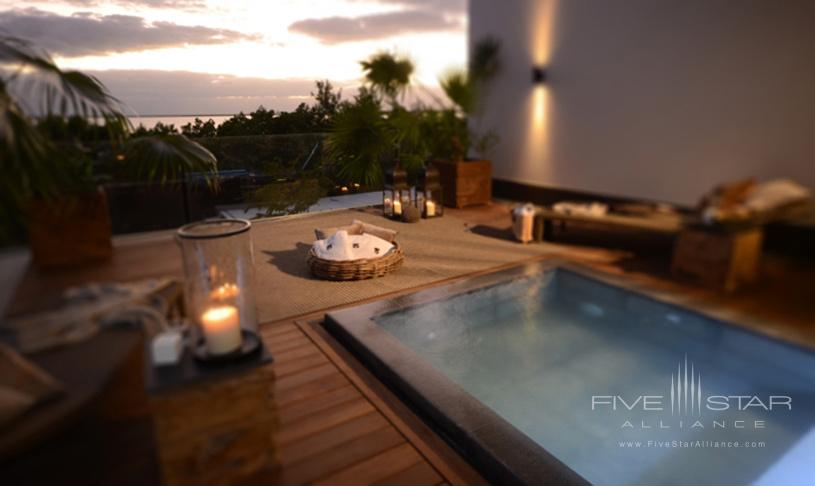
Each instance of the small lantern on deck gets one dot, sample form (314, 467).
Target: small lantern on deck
(396, 194)
(429, 193)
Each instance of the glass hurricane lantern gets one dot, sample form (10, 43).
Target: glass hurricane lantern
(219, 286)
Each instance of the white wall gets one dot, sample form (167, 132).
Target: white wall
(655, 99)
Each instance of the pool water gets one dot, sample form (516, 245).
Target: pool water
(552, 353)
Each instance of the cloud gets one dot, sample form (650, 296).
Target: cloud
(87, 33)
(447, 6)
(175, 4)
(334, 30)
(154, 92)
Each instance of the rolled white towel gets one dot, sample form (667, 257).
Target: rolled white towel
(342, 247)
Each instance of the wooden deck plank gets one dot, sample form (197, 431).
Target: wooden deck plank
(286, 383)
(272, 332)
(314, 445)
(290, 340)
(375, 468)
(317, 404)
(419, 473)
(301, 364)
(337, 415)
(294, 342)
(301, 351)
(310, 389)
(343, 456)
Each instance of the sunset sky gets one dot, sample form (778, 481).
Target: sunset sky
(220, 56)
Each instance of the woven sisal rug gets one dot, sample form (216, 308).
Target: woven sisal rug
(435, 249)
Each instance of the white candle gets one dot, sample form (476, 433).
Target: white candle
(397, 207)
(222, 329)
(430, 207)
(388, 206)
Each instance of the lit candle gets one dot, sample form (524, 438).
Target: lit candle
(225, 291)
(222, 329)
(430, 207)
(397, 207)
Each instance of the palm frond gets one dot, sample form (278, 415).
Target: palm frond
(388, 75)
(408, 135)
(45, 89)
(29, 162)
(460, 90)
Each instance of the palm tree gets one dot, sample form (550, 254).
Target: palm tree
(33, 166)
(360, 140)
(388, 75)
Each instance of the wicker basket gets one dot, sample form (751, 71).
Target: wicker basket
(361, 269)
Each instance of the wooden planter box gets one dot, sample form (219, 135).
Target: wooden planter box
(465, 183)
(70, 231)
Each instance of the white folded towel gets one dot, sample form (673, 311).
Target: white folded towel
(342, 247)
(581, 209)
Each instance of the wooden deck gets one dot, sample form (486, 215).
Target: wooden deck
(339, 426)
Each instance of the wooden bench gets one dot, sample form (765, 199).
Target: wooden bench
(546, 220)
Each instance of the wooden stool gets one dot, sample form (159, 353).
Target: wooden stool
(721, 259)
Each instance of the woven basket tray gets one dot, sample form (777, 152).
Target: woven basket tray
(361, 269)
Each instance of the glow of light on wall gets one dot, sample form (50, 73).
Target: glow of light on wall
(540, 28)
(539, 103)
(541, 31)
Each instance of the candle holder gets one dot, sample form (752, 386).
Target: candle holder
(429, 193)
(219, 287)
(396, 192)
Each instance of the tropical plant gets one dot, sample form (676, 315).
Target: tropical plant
(366, 137)
(360, 140)
(387, 75)
(38, 166)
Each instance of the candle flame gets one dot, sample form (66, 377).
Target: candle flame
(219, 313)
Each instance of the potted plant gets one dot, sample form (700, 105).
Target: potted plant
(456, 132)
(51, 186)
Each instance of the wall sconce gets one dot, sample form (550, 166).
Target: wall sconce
(538, 75)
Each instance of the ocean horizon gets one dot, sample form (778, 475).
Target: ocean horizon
(177, 120)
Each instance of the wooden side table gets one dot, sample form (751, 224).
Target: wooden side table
(216, 430)
(721, 259)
